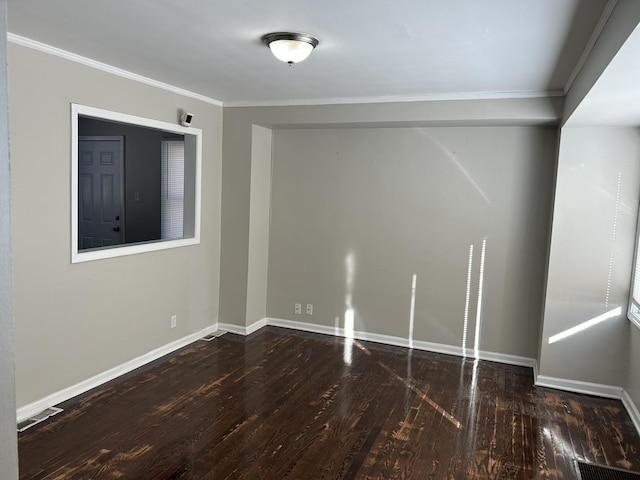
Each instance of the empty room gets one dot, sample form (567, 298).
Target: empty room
(320, 240)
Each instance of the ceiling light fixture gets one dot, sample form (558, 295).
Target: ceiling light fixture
(290, 47)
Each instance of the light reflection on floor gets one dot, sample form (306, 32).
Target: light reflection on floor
(412, 387)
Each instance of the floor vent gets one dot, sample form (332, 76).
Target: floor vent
(214, 335)
(589, 471)
(40, 417)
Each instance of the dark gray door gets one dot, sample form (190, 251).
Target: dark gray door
(100, 192)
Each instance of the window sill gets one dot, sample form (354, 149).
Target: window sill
(111, 252)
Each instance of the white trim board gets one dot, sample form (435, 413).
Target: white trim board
(435, 97)
(58, 52)
(632, 410)
(240, 330)
(608, 391)
(403, 342)
(68, 393)
(597, 389)
(577, 386)
(78, 255)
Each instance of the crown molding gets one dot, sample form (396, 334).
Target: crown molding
(465, 96)
(58, 52)
(436, 97)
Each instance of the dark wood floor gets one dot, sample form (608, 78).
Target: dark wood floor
(281, 404)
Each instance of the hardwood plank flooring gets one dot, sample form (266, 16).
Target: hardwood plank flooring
(282, 404)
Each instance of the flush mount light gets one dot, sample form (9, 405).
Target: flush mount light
(290, 47)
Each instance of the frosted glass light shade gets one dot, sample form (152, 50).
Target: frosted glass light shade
(290, 47)
(290, 51)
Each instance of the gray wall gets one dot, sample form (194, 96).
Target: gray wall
(624, 18)
(143, 171)
(75, 321)
(356, 213)
(237, 154)
(343, 234)
(259, 224)
(632, 382)
(8, 437)
(594, 224)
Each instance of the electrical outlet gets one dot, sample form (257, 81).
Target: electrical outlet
(309, 308)
(297, 308)
(174, 321)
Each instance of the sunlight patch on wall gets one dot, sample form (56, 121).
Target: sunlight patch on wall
(465, 325)
(349, 314)
(469, 290)
(412, 309)
(585, 325)
(476, 344)
(613, 240)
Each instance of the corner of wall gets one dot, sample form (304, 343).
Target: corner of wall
(632, 409)
(259, 217)
(8, 437)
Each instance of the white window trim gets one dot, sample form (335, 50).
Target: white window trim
(633, 313)
(133, 249)
(634, 316)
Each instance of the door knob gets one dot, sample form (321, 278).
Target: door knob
(116, 229)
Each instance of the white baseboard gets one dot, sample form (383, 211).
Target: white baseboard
(536, 372)
(608, 391)
(241, 330)
(508, 359)
(404, 342)
(597, 389)
(254, 327)
(632, 410)
(577, 386)
(228, 327)
(65, 394)
(360, 335)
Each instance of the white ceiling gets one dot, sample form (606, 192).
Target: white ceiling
(370, 50)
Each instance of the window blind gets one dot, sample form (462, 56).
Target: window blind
(636, 280)
(172, 191)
